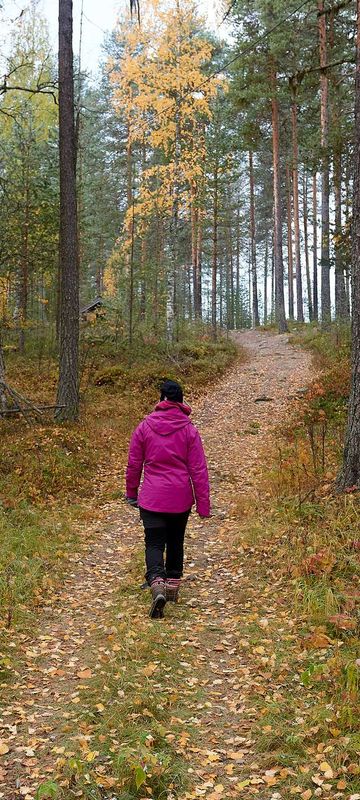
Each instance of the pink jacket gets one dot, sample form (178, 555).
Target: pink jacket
(169, 448)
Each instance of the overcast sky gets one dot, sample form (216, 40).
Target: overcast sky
(99, 17)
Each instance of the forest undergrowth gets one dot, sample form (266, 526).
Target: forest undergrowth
(310, 537)
(56, 477)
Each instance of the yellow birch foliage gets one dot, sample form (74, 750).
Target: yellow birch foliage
(162, 91)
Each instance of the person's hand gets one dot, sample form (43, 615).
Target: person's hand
(132, 501)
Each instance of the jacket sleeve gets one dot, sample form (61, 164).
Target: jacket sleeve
(135, 463)
(198, 471)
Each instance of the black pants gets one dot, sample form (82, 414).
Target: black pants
(170, 536)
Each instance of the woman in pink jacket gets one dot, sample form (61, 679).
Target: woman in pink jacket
(168, 447)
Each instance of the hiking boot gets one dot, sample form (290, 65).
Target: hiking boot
(158, 592)
(172, 589)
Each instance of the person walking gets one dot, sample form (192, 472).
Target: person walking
(168, 447)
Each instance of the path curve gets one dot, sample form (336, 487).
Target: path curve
(237, 432)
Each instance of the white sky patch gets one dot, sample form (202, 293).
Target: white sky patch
(99, 18)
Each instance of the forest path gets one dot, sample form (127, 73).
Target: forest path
(46, 700)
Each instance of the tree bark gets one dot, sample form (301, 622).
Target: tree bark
(3, 403)
(214, 256)
(255, 301)
(341, 309)
(68, 386)
(315, 244)
(295, 184)
(278, 255)
(266, 281)
(237, 315)
(195, 235)
(289, 244)
(350, 472)
(24, 282)
(325, 183)
(306, 246)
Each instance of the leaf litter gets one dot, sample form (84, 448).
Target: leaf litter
(228, 640)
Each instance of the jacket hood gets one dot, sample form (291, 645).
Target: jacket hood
(168, 417)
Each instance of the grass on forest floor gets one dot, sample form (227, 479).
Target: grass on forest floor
(134, 726)
(311, 540)
(53, 476)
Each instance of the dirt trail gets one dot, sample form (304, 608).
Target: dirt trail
(236, 431)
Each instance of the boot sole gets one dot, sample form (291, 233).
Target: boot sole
(157, 608)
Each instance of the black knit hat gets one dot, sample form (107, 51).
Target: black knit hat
(172, 391)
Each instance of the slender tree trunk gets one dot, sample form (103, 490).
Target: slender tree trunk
(348, 226)
(3, 403)
(196, 251)
(341, 310)
(306, 247)
(295, 184)
(325, 182)
(266, 280)
(175, 224)
(237, 266)
(289, 244)
(214, 256)
(273, 280)
(279, 266)
(68, 386)
(255, 302)
(24, 285)
(199, 261)
(350, 473)
(315, 245)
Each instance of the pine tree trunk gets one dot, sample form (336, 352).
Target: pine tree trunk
(289, 244)
(278, 256)
(306, 246)
(350, 473)
(325, 182)
(199, 262)
(341, 310)
(272, 315)
(194, 249)
(237, 316)
(295, 185)
(315, 244)
(255, 301)
(68, 386)
(266, 280)
(214, 256)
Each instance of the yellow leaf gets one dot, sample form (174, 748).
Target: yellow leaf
(4, 748)
(326, 768)
(150, 669)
